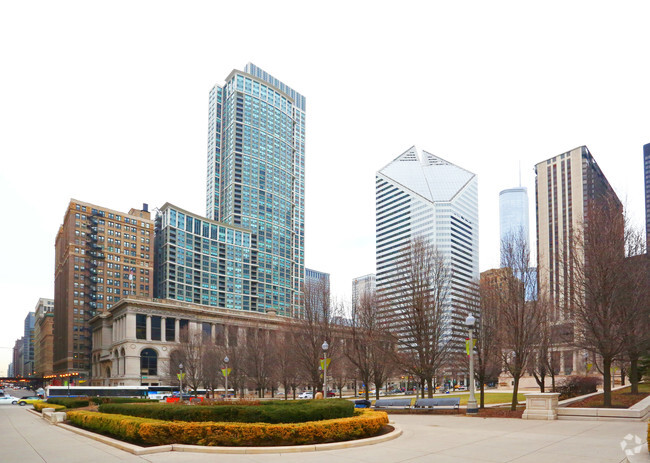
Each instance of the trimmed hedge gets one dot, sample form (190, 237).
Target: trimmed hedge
(69, 402)
(39, 406)
(298, 412)
(157, 432)
(120, 400)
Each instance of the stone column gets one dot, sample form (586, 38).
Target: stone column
(148, 329)
(129, 328)
(213, 332)
(177, 328)
(163, 328)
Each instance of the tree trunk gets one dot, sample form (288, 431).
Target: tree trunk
(622, 376)
(422, 388)
(634, 374)
(607, 382)
(430, 386)
(552, 381)
(513, 405)
(482, 389)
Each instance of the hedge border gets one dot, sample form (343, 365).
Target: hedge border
(39, 406)
(157, 432)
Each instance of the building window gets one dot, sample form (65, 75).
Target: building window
(140, 326)
(170, 329)
(148, 363)
(156, 328)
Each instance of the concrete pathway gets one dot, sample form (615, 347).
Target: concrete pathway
(25, 438)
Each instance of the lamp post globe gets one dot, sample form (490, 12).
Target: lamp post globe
(472, 406)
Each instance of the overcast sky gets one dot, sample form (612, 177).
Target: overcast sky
(108, 103)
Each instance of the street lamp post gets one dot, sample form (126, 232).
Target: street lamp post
(180, 378)
(325, 346)
(472, 407)
(226, 360)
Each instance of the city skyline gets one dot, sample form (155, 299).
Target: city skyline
(134, 109)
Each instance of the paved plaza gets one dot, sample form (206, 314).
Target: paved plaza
(26, 438)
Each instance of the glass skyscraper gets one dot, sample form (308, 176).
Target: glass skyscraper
(256, 177)
(422, 195)
(513, 215)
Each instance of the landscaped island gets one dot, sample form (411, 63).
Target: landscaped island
(232, 424)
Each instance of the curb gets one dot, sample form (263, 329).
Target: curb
(137, 450)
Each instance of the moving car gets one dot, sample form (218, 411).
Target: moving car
(7, 399)
(28, 400)
(306, 395)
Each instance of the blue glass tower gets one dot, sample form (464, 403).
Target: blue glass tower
(256, 177)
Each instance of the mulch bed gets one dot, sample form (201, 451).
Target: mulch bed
(619, 400)
(492, 412)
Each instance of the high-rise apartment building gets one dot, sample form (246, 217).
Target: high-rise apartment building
(256, 177)
(361, 285)
(102, 255)
(205, 262)
(646, 182)
(513, 215)
(422, 195)
(43, 337)
(18, 356)
(566, 186)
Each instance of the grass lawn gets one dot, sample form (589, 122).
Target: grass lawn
(620, 399)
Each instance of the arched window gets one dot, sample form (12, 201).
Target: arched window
(148, 363)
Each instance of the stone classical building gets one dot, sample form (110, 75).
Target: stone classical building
(134, 340)
(44, 337)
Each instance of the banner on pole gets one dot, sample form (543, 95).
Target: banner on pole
(322, 363)
(180, 376)
(226, 371)
(467, 345)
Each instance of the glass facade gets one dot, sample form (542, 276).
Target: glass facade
(513, 215)
(256, 177)
(204, 262)
(422, 195)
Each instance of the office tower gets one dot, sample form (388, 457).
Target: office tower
(205, 262)
(361, 285)
(18, 356)
(101, 255)
(43, 337)
(28, 345)
(317, 286)
(422, 195)
(513, 215)
(646, 181)
(566, 186)
(256, 177)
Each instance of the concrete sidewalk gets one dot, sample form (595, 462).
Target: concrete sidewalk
(25, 438)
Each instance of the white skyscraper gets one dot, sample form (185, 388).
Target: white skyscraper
(422, 195)
(513, 214)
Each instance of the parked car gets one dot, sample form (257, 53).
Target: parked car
(331, 393)
(306, 395)
(7, 399)
(28, 400)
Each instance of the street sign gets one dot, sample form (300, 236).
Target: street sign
(226, 371)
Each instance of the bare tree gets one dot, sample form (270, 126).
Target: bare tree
(286, 369)
(312, 329)
(190, 351)
(417, 310)
(637, 331)
(519, 317)
(259, 359)
(598, 306)
(488, 358)
(542, 364)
